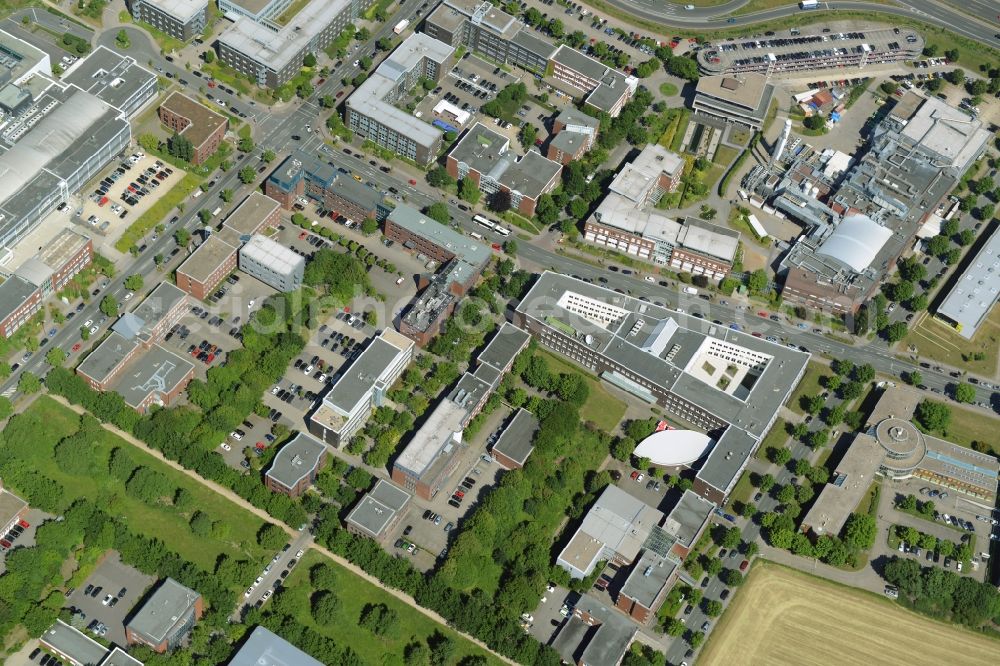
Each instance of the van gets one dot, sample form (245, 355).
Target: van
(690, 290)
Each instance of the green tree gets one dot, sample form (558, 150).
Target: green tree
(208, 56)
(268, 156)
(309, 60)
(109, 306)
(28, 384)
(226, 195)
(247, 175)
(933, 416)
(859, 531)
(896, 331)
(245, 144)
(965, 393)
(55, 357)
(439, 212)
(814, 122)
(134, 282)
(369, 226)
(469, 191)
(270, 536)
(122, 40)
(528, 134)
(510, 247)
(324, 607)
(713, 608)
(757, 281)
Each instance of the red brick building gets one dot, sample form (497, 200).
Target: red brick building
(296, 465)
(573, 134)
(206, 267)
(202, 126)
(166, 618)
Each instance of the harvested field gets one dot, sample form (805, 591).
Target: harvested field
(782, 616)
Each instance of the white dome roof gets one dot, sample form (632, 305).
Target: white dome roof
(671, 448)
(856, 242)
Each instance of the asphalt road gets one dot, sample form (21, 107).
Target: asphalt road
(982, 30)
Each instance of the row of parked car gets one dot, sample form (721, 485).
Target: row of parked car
(14, 534)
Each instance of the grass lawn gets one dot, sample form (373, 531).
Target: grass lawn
(602, 408)
(780, 617)
(725, 155)
(938, 341)
(968, 426)
(354, 594)
(159, 210)
(163, 522)
(742, 492)
(668, 89)
(776, 438)
(808, 386)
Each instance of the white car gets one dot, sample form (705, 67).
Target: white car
(357, 62)
(649, 278)
(236, 435)
(248, 592)
(276, 390)
(550, 588)
(226, 447)
(93, 329)
(527, 617)
(89, 322)
(267, 595)
(258, 581)
(129, 295)
(299, 553)
(106, 600)
(250, 304)
(308, 370)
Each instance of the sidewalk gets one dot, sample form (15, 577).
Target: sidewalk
(260, 513)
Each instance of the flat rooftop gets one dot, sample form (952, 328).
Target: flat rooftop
(296, 460)
(72, 643)
(515, 442)
(19, 56)
(158, 371)
(272, 254)
(464, 248)
(248, 217)
(849, 483)
(504, 346)
(648, 578)
(972, 298)
(13, 292)
(370, 99)
(585, 65)
(110, 76)
(436, 438)
(378, 507)
(358, 380)
(10, 506)
(63, 247)
(118, 657)
(745, 90)
(157, 304)
(277, 49)
(207, 258)
(163, 610)
(107, 356)
(204, 121)
(265, 648)
(688, 517)
(182, 10)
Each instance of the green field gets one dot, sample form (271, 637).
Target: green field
(808, 386)
(53, 422)
(602, 408)
(354, 594)
(937, 341)
(742, 491)
(968, 426)
(668, 89)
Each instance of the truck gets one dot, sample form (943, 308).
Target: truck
(690, 290)
(401, 26)
(809, 4)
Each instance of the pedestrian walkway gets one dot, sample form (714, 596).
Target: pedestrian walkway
(263, 515)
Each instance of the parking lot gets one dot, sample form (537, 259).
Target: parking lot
(117, 197)
(465, 88)
(125, 586)
(274, 573)
(25, 538)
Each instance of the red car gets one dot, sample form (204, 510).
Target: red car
(413, 182)
(24, 523)
(302, 235)
(340, 94)
(261, 445)
(459, 493)
(5, 543)
(209, 358)
(211, 84)
(76, 347)
(756, 334)
(744, 564)
(762, 314)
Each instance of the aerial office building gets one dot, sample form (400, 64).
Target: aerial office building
(372, 113)
(166, 617)
(486, 29)
(296, 466)
(723, 382)
(265, 648)
(272, 263)
(378, 511)
(271, 53)
(114, 78)
(303, 175)
(600, 87)
(345, 409)
(970, 301)
(742, 99)
(183, 19)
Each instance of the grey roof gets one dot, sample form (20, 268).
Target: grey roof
(362, 196)
(62, 247)
(25, 56)
(277, 49)
(163, 610)
(52, 150)
(464, 248)
(272, 254)
(648, 578)
(488, 152)
(158, 371)
(728, 457)
(70, 642)
(118, 657)
(111, 76)
(378, 508)
(358, 380)
(34, 271)
(435, 440)
(480, 147)
(533, 43)
(248, 217)
(107, 356)
(585, 65)
(532, 175)
(207, 258)
(504, 347)
(946, 133)
(688, 517)
(370, 98)
(264, 648)
(568, 142)
(182, 10)
(515, 442)
(976, 292)
(13, 292)
(601, 644)
(751, 409)
(296, 459)
(856, 241)
(573, 116)
(157, 304)
(10, 506)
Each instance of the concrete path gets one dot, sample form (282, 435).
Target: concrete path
(865, 579)
(263, 515)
